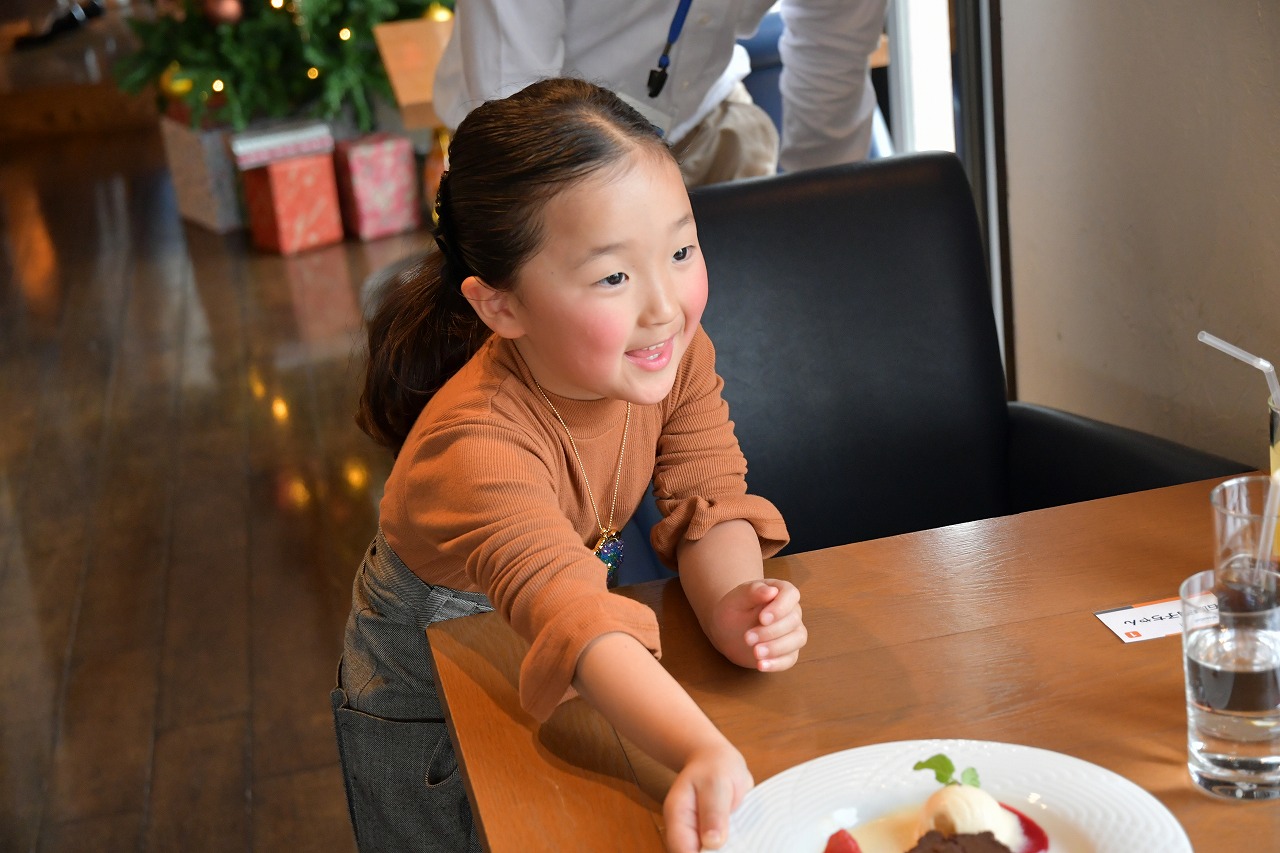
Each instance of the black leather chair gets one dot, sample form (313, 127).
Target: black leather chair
(851, 312)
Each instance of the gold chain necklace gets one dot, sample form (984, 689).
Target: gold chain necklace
(609, 546)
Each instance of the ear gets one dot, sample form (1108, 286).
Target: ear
(496, 308)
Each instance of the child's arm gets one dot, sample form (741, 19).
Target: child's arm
(753, 621)
(626, 684)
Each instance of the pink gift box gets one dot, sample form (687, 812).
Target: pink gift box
(377, 185)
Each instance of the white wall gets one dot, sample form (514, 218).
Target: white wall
(1143, 145)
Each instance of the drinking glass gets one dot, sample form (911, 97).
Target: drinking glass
(1238, 505)
(1231, 657)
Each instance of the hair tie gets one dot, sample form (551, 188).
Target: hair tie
(451, 258)
(443, 231)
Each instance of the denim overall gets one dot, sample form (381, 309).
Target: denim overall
(404, 788)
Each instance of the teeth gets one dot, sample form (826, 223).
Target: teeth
(655, 349)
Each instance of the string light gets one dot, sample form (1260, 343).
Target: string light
(313, 73)
(280, 409)
(344, 34)
(217, 86)
(277, 4)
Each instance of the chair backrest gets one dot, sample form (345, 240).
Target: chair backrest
(853, 324)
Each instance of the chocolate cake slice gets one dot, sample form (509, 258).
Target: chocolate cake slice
(935, 842)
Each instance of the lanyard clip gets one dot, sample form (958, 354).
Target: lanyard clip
(657, 79)
(658, 76)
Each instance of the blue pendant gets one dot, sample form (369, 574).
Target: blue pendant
(609, 550)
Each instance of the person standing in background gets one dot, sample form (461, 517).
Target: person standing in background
(679, 63)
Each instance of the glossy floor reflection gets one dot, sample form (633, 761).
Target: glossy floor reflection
(183, 500)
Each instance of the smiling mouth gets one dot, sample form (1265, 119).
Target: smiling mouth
(651, 353)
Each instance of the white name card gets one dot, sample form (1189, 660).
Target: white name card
(1146, 621)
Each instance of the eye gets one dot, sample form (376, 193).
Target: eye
(683, 254)
(614, 280)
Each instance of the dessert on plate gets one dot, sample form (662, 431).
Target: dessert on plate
(935, 842)
(958, 818)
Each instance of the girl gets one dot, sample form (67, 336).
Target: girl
(532, 378)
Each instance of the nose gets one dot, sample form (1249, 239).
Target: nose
(662, 303)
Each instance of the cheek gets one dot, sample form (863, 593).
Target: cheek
(600, 334)
(695, 297)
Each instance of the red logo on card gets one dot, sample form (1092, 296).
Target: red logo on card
(1132, 634)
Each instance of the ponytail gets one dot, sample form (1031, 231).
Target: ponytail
(422, 333)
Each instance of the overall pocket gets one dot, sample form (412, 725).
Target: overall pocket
(404, 789)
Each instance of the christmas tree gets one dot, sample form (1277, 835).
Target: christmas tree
(234, 61)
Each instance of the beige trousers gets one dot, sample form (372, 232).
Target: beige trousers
(736, 140)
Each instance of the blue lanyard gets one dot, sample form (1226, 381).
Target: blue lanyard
(658, 76)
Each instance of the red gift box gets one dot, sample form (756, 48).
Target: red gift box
(290, 190)
(377, 185)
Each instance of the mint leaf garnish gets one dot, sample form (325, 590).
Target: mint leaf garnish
(944, 770)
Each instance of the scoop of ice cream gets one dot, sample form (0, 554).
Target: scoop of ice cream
(957, 809)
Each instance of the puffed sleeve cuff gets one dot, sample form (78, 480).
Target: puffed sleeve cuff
(691, 518)
(546, 675)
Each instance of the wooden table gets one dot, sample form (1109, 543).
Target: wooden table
(984, 630)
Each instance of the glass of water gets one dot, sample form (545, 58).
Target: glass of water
(1231, 656)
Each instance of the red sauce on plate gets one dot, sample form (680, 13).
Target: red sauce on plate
(1037, 840)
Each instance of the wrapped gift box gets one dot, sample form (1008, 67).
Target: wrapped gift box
(377, 185)
(410, 51)
(290, 190)
(204, 175)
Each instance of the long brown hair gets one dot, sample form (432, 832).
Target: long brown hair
(507, 158)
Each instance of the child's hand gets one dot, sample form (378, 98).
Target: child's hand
(759, 624)
(710, 785)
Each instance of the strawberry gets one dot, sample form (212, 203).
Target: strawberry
(842, 842)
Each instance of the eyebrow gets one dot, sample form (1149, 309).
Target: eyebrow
(610, 248)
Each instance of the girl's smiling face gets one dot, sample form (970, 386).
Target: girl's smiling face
(607, 306)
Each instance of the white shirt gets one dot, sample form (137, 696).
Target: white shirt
(500, 46)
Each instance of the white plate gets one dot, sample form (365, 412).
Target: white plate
(1082, 807)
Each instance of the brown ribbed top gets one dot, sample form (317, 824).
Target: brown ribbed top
(486, 495)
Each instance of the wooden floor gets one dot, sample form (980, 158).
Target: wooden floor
(183, 500)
